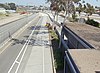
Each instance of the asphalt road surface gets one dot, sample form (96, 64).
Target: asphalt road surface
(9, 29)
(11, 51)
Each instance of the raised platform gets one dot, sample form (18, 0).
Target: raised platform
(89, 33)
(87, 60)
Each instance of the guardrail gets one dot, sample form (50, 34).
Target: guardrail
(69, 64)
(73, 41)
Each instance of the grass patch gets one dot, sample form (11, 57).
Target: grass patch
(93, 22)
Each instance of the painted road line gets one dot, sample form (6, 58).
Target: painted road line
(43, 24)
(25, 46)
(43, 55)
(16, 34)
(17, 57)
(17, 62)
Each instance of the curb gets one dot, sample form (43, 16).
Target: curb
(52, 56)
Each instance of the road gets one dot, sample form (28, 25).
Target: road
(8, 56)
(39, 59)
(16, 54)
(12, 27)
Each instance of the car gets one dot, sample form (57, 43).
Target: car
(23, 12)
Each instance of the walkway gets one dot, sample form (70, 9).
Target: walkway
(39, 59)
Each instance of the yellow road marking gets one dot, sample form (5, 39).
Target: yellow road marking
(19, 33)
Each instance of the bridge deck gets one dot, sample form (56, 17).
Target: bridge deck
(87, 60)
(89, 33)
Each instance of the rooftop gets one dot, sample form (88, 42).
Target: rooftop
(87, 60)
(89, 33)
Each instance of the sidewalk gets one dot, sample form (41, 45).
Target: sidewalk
(39, 60)
(11, 19)
(40, 57)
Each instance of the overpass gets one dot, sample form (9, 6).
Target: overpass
(78, 48)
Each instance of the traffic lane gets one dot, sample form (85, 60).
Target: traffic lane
(9, 55)
(14, 50)
(15, 67)
(18, 22)
(34, 40)
(11, 28)
(27, 53)
(37, 54)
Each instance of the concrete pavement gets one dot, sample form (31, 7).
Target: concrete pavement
(8, 55)
(39, 60)
(12, 27)
(35, 56)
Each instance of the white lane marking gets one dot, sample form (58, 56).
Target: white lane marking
(17, 62)
(17, 57)
(43, 22)
(43, 54)
(22, 57)
(15, 35)
(26, 44)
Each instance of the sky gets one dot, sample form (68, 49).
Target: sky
(93, 2)
(25, 2)
(42, 2)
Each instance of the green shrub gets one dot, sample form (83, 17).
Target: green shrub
(58, 56)
(53, 34)
(92, 22)
(74, 17)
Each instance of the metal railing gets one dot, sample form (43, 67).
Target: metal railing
(74, 41)
(69, 65)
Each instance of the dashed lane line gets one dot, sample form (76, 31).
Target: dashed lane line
(16, 34)
(23, 48)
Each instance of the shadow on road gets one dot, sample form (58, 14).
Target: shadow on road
(17, 41)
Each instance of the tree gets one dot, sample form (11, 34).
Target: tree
(83, 1)
(69, 7)
(12, 6)
(79, 8)
(90, 9)
(56, 6)
(84, 8)
(6, 6)
(65, 5)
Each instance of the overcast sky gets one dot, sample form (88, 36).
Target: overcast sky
(42, 2)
